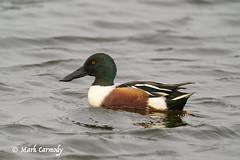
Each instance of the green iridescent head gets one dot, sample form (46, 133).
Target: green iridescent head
(99, 65)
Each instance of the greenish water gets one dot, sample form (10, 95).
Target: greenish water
(169, 41)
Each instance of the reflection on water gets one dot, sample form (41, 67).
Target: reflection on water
(160, 119)
(166, 119)
(163, 119)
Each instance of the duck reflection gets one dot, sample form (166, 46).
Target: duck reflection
(163, 119)
(167, 119)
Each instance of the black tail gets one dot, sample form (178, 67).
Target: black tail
(177, 102)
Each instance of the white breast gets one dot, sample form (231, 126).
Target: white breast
(96, 94)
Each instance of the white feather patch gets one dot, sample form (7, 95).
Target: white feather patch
(161, 94)
(154, 87)
(96, 94)
(158, 103)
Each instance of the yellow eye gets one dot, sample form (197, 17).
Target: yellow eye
(93, 62)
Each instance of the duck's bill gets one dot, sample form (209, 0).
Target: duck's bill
(76, 74)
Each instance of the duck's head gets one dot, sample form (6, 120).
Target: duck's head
(99, 65)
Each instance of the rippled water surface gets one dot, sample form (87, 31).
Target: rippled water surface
(167, 41)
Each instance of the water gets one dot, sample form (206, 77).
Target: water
(169, 41)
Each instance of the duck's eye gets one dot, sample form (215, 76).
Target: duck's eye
(93, 62)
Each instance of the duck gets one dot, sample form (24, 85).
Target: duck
(137, 95)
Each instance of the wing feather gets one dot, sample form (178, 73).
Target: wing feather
(154, 89)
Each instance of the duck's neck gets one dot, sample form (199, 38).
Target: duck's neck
(105, 79)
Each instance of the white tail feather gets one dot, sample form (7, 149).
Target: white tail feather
(182, 96)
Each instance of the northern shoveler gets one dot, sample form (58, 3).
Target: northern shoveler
(131, 95)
